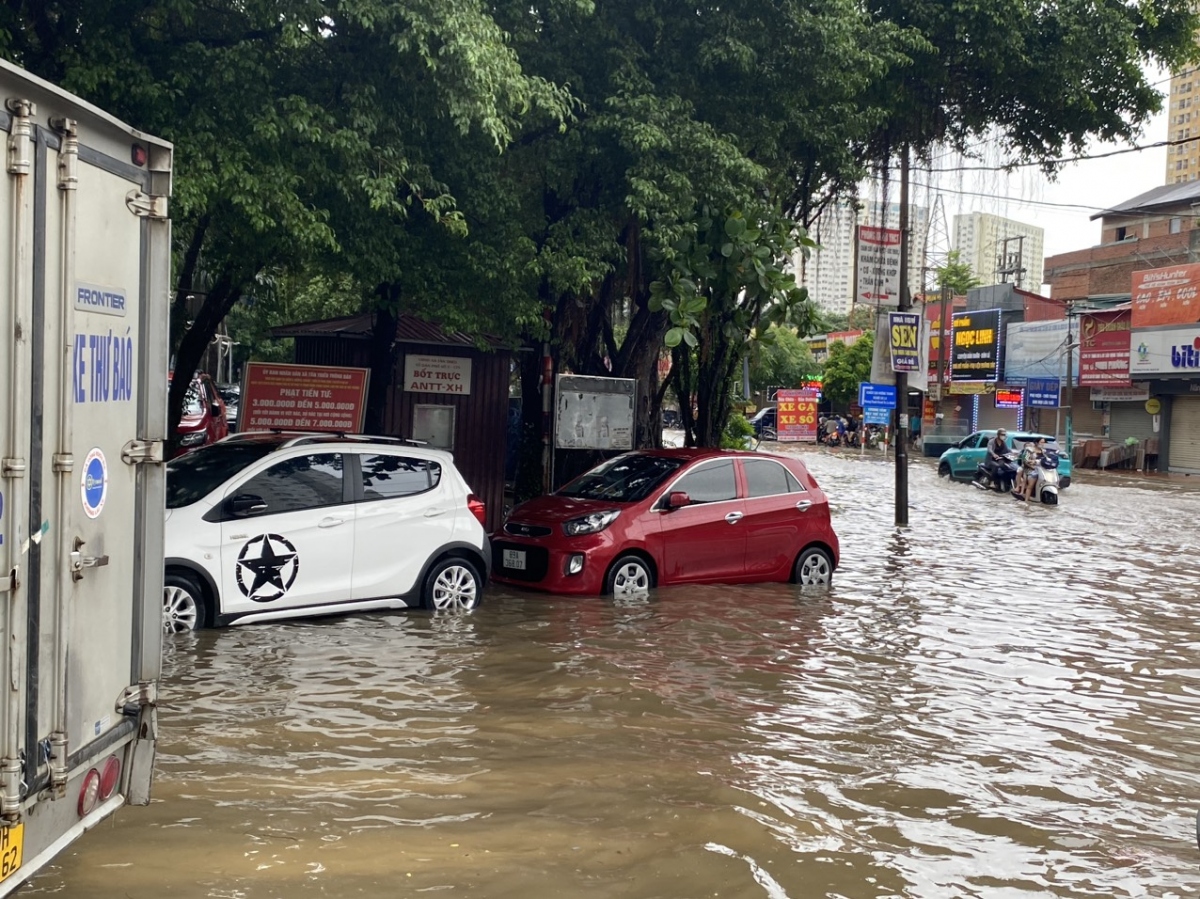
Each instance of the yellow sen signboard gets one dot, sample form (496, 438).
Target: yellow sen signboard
(904, 330)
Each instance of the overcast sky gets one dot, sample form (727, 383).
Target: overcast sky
(1063, 207)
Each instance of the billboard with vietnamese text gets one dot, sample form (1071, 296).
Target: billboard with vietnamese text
(1166, 296)
(878, 272)
(975, 346)
(1104, 349)
(279, 397)
(796, 415)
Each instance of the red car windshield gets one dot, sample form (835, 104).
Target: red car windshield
(625, 479)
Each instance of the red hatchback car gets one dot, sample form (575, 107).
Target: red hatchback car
(674, 516)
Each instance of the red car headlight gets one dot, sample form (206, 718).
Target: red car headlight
(590, 524)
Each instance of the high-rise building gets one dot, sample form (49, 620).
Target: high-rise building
(1183, 121)
(1000, 250)
(829, 271)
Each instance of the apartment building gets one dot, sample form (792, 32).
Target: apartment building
(1183, 122)
(1001, 250)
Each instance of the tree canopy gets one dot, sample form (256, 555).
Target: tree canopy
(569, 170)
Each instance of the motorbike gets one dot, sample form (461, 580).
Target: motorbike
(1002, 479)
(1045, 485)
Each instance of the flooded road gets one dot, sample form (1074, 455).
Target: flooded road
(1000, 701)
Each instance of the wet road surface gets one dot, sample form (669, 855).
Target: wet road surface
(1000, 701)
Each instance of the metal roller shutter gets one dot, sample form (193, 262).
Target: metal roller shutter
(1185, 434)
(1130, 420)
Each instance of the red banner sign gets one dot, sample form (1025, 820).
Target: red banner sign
(1104, 349)
(796, 415)
(303, 398)
(1166, 296)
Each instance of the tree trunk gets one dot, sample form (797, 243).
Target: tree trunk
(530, 476)
(223, 296)
(382, 359)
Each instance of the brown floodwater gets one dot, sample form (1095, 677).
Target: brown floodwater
(997, 702)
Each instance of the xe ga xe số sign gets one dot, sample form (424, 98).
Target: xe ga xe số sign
(796, 415)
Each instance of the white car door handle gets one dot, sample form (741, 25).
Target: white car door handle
(733, 517)
(434, 513)
(804, 505)
(330, 522)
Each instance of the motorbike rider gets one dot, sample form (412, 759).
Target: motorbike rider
(1031, 458)
(997, 449)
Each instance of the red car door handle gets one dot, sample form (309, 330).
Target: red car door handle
(804, 505)
(733, 517)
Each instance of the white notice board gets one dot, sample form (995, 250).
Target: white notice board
(594, 413)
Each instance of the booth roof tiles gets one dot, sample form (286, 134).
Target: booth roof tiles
(409, 329)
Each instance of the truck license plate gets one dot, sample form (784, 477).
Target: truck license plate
(12, 844)
(514, 559)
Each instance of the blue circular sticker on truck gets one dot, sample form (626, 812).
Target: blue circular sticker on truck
(93, 487)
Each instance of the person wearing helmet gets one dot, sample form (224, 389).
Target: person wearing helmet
(997, 449)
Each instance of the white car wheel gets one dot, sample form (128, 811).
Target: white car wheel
(629, 576)
(452, 585)
(814, 567)
(183, 605)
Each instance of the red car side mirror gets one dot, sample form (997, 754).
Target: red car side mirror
(677, 499)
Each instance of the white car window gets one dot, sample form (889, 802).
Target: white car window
(302, 482)
(387, 477)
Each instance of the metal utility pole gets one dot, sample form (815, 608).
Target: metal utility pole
(902, 377)
(1070, 378)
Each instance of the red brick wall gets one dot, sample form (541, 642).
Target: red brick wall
(1108, 268)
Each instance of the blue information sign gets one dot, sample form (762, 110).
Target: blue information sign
(1042, 393)
(877, 415)
(883, 395)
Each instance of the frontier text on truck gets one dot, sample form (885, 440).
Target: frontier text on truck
(84, 263)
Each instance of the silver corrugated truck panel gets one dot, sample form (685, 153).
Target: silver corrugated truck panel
(84, 258)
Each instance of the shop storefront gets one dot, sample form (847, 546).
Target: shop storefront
(1170, 359)
(1183, 453)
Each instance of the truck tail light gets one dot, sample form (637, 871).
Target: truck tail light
(110, 776)
(478, 508)
(89, 793)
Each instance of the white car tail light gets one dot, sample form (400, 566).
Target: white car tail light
(478, 508)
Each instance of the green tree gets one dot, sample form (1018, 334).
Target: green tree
(781, 359)
(726, 284)
(1045, 76)
(956, 274)
(287, 116)
(845, 368)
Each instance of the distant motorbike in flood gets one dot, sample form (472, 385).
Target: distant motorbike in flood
(999, 477)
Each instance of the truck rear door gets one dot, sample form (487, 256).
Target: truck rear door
(84, 245)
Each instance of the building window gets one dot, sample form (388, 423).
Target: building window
(1176, 225)
(1122, 232)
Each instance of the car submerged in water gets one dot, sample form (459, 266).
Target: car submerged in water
(961, 460)
(674, 516)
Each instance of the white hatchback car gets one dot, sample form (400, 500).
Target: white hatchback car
(264, 526)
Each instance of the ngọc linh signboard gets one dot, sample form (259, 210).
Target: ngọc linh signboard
(975, 346)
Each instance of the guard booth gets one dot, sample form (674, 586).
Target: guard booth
(443, 390)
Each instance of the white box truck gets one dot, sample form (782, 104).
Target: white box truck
(85, 262)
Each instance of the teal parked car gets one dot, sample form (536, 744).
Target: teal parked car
(960, 461)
